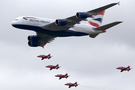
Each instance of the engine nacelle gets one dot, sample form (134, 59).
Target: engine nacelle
(33, 38)
(60, 22)
(33, 44)
(81, 15)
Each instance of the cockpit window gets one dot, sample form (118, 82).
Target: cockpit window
(25, 18)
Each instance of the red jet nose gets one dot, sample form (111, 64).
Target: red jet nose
(118, 68)
(39, 56)
(56, 75)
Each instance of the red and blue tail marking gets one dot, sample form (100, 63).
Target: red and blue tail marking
(97, 19)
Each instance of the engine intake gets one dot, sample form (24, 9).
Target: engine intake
(82, 15)
(33, 44)
(33, 38)
(60, 22)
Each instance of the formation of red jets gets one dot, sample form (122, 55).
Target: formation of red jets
(60, 76)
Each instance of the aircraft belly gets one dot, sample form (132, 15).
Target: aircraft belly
(61, 33)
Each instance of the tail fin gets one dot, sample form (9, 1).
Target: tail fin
(97, 19)
(57, 65)
(66, 74)
(76, 84)
(128, 67)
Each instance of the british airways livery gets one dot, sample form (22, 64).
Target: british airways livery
(81, 24)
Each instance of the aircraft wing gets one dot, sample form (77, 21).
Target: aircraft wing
(74, 20)
(45, 39)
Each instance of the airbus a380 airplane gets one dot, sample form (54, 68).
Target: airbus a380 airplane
(48, 29)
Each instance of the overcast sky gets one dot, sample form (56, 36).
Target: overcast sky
(90, 62)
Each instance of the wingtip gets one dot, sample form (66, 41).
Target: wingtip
(120, 21)
(118, 3)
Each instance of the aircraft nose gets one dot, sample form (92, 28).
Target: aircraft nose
(13, 23)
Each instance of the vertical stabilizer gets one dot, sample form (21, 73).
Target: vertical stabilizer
(97, 19)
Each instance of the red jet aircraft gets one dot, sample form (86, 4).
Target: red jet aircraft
(62, 76)
(45, 56)
(53, 67)
(124, 68)
(72, 84)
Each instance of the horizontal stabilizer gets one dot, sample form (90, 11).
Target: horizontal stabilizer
(93, 36)
(96, 11)
(107, 26)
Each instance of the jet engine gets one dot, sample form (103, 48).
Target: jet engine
(33, 38)
(34, 44)
(61, 22)
(82, 15)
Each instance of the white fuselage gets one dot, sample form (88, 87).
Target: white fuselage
(36, 23)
